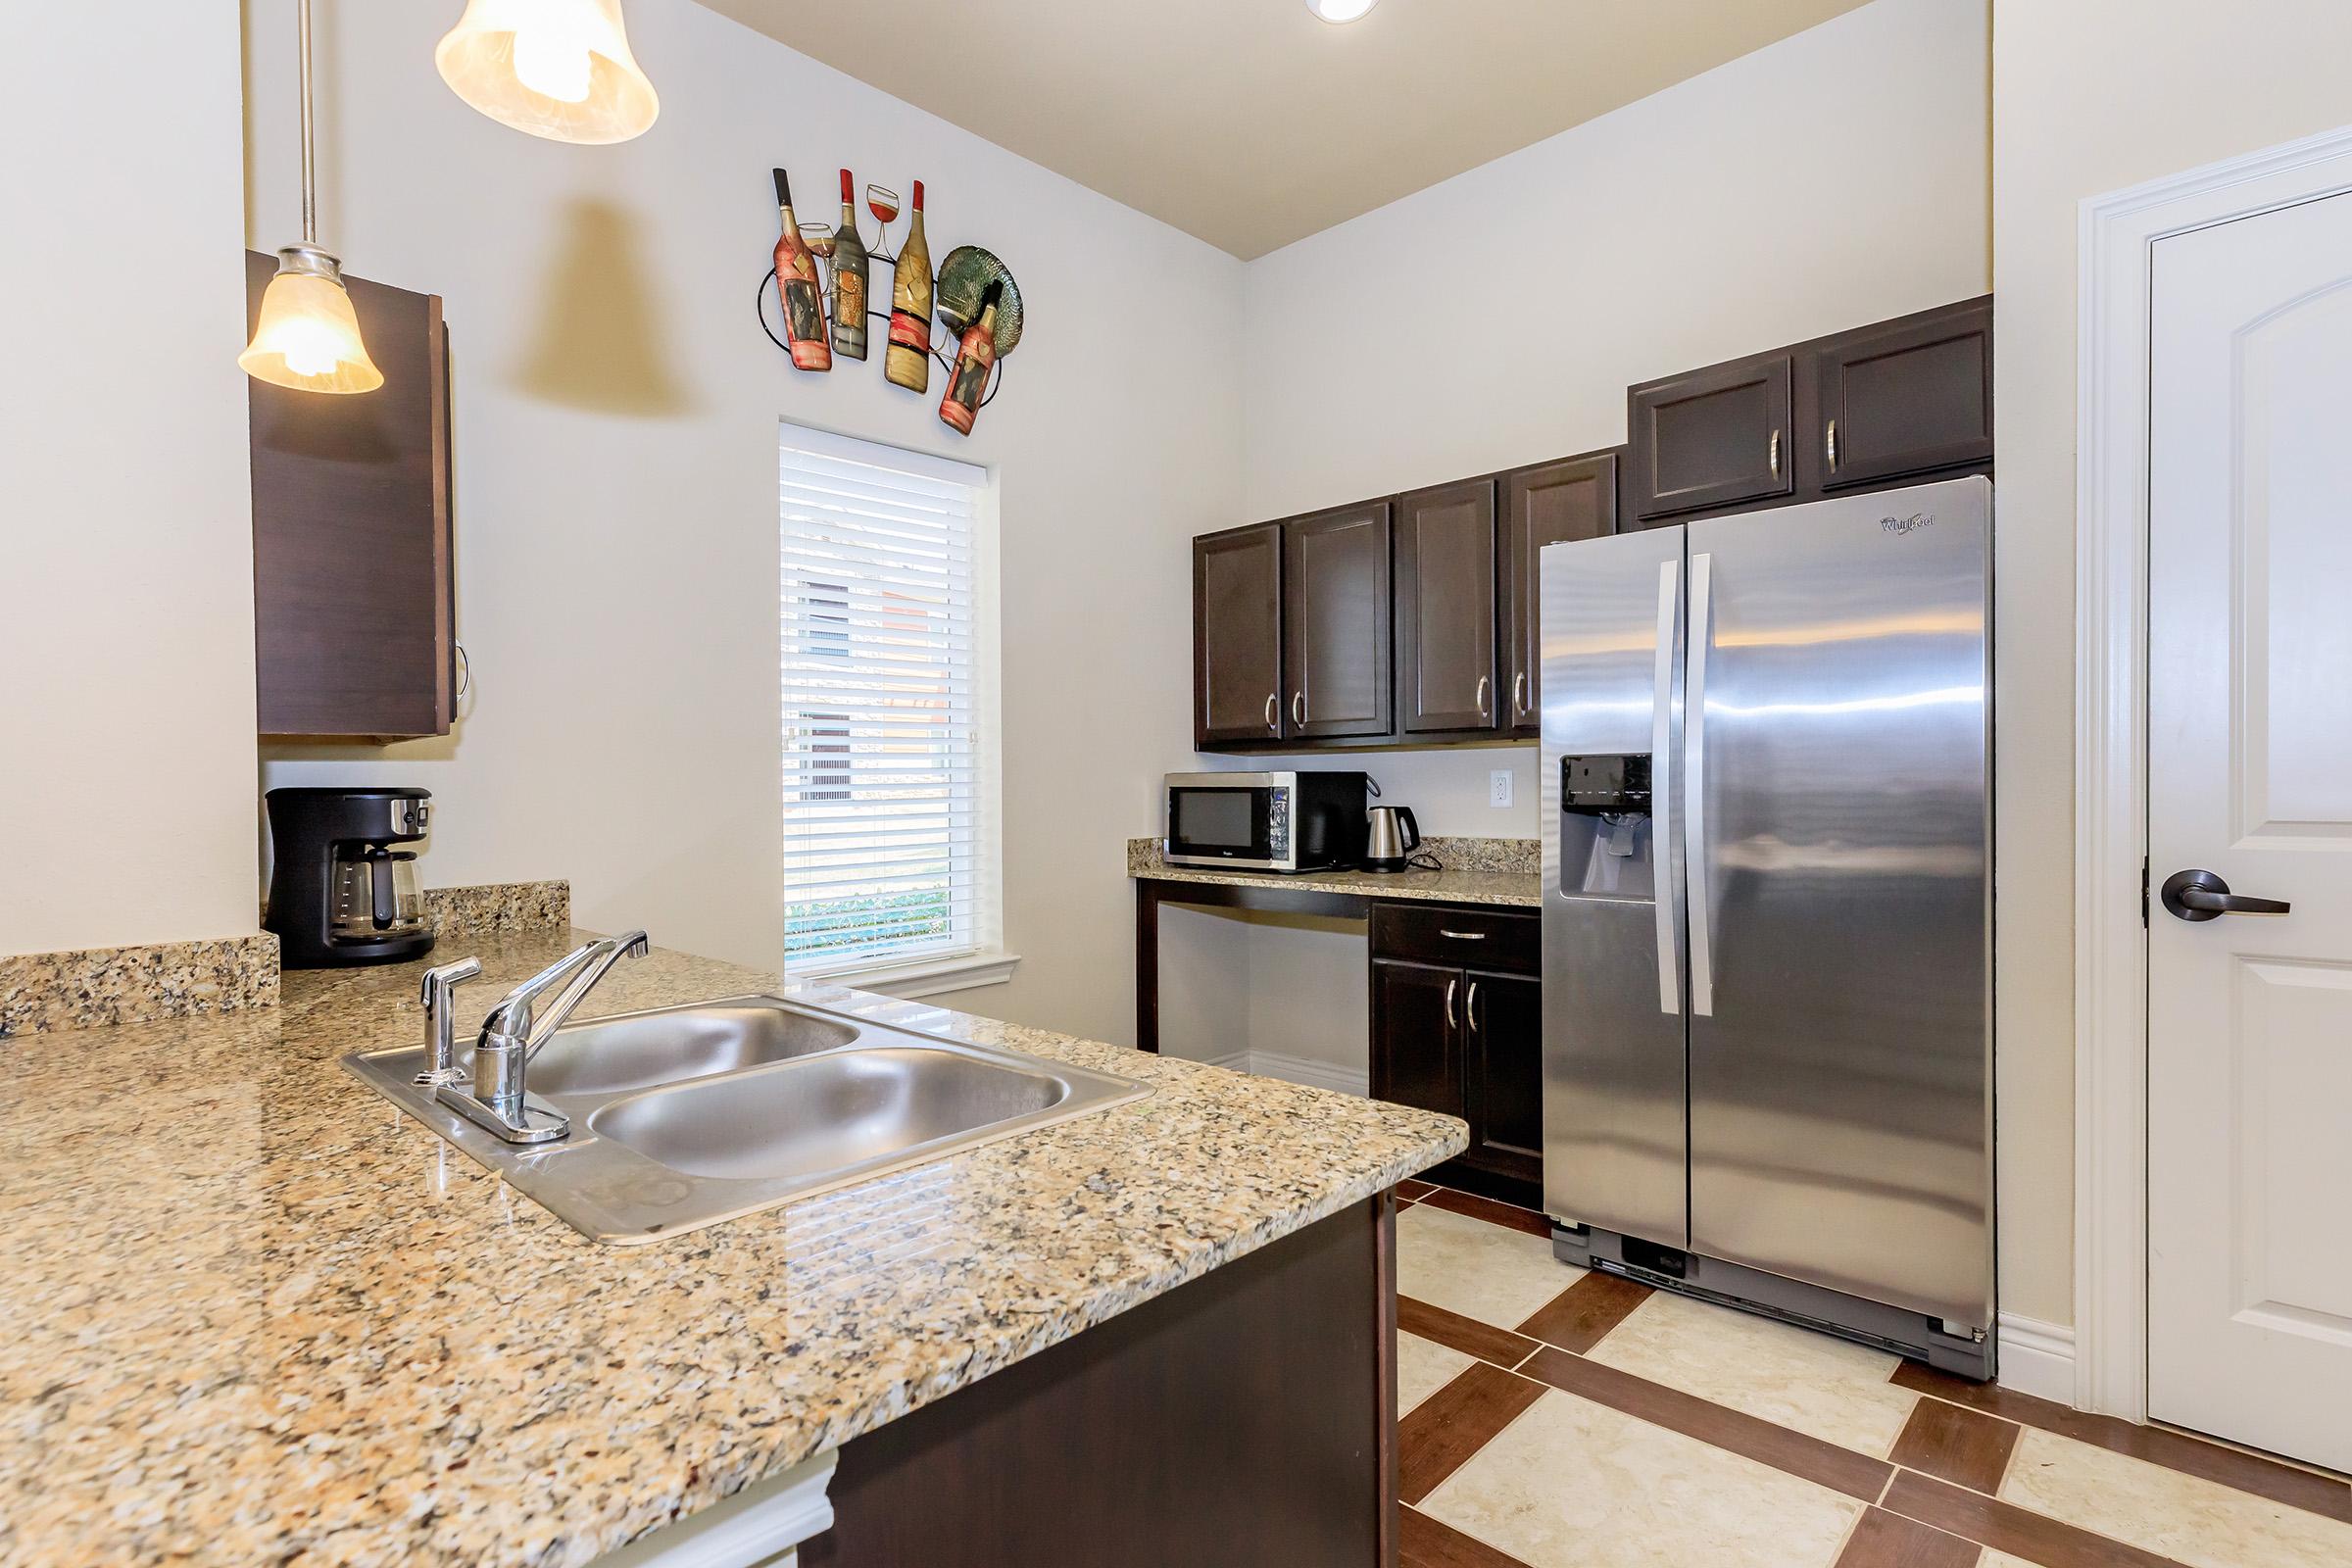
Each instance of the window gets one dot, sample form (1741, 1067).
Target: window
(888, 669)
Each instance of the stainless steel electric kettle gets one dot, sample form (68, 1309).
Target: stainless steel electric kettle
(1393, 838)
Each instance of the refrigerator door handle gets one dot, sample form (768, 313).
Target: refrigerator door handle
(1661, 764)
(1694, 784)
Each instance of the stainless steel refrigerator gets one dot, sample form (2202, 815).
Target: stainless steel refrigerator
(1767, 913)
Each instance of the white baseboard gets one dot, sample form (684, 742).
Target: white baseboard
(1314, 1074)
(2037, 1357)
(1237, 1061)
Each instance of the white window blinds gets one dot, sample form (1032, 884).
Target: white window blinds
(881, 738)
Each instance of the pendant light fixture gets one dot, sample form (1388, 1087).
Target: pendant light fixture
(558, 68)
(308, 337)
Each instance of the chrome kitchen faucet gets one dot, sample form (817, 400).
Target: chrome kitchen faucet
(495, 1097)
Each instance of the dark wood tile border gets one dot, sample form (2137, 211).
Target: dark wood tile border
(1486, 1209)
(1426, 1543)
(1582, 1315)
(1883, 1540)
(2005, 1527)
(2173, 1450)
(1798, 1453)
(1450, 1426)
(1956, 1443)
(1467, 1335)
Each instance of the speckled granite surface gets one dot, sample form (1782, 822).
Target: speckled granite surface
(94, 986)
(258, 1315)
(499, 907)
(1452, 885)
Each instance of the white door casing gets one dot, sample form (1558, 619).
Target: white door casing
(2250, 776)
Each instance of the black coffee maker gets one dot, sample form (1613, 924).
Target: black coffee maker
(339, 893)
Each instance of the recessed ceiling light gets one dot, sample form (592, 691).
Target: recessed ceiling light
(1341, 10)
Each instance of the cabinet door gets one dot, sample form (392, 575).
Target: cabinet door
(353, 606)
(1446, 621)
(1575, 497)
(1335, 622)
(1713, 438)
(1416, 1036)
(1904, 398)
(1237, 635)
(1502, 1018)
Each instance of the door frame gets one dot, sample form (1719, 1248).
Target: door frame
(2115, 252)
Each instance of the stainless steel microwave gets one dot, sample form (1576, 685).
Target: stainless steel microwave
(1308, 821)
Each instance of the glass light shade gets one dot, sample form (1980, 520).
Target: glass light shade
(308, 337)
(1341, 10)
(558, 68)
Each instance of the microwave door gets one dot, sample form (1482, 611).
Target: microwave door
(1226, 823)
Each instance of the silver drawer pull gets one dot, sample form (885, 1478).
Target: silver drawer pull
(1519, 692)
(1449, 985)
(1462, 936)
(1273, 722)
(1483, 684)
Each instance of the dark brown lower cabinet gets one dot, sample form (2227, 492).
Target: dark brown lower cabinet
(1457, 1027)
(1246, 1419)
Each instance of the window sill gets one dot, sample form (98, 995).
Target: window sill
(926, 977)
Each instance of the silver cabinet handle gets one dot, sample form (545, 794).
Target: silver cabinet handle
(1661, 767)
(1695, 785)
(1775, 452)
(1519, 692)
(1483, 684)
(1462, 936)
(1449, 985)
(1832, 446)
(1273, 716)
(1299, 707)
(465, 670)
(1470, 1009)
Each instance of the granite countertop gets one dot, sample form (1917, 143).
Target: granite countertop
(259, 1315)
(1503, 874)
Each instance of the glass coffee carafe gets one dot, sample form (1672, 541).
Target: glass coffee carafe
(375, 893)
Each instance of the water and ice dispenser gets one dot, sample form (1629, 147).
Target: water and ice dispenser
(1605, 840)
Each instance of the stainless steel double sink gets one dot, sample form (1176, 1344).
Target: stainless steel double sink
(685, 1116)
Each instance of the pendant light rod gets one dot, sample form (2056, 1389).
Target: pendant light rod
(310, 198)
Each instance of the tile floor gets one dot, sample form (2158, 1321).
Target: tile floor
(1553, 1418)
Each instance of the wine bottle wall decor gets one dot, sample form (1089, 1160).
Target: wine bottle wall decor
(972, 295)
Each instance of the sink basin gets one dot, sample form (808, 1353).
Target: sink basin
(829, 1113)
(641, 1050)
(683, 1117)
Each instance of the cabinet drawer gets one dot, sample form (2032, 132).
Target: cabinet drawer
(1509, 940)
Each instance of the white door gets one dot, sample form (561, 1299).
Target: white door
(2250, 778)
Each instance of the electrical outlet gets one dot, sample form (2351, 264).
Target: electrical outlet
(1498, 787)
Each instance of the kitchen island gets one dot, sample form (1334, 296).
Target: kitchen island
(257, 1314)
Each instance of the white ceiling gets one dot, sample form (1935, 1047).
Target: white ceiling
(1252, 122)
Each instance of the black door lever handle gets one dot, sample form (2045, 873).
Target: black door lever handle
(2202, 896)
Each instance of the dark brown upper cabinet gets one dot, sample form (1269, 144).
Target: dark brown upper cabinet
(1712, 438)
(1336, 606)
(353, 588)
(1575, 497)
(1237, 635)
(1445, 608)
(1902, 398)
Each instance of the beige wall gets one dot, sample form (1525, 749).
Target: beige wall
(617, 411)
(1498, 319)
(126, 557)
(2089, 96)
